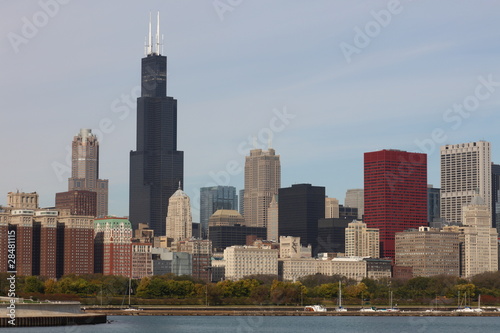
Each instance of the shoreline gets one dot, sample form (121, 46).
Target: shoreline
(204, 311)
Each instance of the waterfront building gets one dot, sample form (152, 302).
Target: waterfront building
(428, 251)
(142, 260)
(241, 261)
(395, 194)
(113, 246)
(465, 173)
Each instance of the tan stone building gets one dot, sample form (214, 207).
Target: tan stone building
(179, 219)
(331, 208)
(428, 251)
(272, 219)
(290, 247)
(361, 241)
(262, 181)
(355, 198)
(241, 261)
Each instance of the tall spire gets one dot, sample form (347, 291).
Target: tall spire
(158, 33)
(150, 40)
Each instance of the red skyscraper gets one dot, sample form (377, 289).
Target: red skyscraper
(395, 194)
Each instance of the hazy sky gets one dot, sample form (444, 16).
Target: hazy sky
(327, 80)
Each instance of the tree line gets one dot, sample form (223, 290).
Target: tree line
(257, 290)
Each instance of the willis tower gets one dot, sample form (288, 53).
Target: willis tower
(156, 166)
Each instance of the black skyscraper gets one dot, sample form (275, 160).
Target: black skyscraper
(156, 167)
(299, 209)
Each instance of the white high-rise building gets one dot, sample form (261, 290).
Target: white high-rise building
(179, 219)
(361, 241)
(465, 173)
(356, 198)
(241, 261)
(480, 239)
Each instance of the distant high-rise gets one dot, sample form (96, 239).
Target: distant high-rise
(85, 169)
(299, 209)
(395, 194)
(262, 181)
(495, 196)
(241, 205)
(179, 223)
(272, 219)
(465, 173)
(355, 198)
(156, 166)
(215, 198)
(361, 241)
(433, 206)
(331, 208)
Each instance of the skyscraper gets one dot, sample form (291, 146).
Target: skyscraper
(215, 198)
(179, 223)
(299, 209)
(495, 196)
(395, 193)
(156, 166)
(355, 198)
(465, 173)
(85, 169)
(262, 181)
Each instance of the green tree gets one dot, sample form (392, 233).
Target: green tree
(32, 284)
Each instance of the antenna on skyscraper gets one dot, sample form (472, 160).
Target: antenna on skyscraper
(149, 44)
(158, 33)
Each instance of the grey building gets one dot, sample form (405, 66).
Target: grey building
(215, 198)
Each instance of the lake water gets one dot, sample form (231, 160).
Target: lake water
(289, 324)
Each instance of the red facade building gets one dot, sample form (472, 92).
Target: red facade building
(395, 194)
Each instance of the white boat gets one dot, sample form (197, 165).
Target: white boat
(315, 308)
(372, 309)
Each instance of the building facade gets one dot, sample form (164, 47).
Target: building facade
(361, 241)
(300, 207)
(215, 198)
(113, 244)
(85, 170)
(356, 198)
(241, 261)
(262, 181)
(495, 196)
(179, 220)
(156, 166)
(331, 208)
(395, 194)
(78, 202)
(465, 173)
(428, 251)
(273, 219)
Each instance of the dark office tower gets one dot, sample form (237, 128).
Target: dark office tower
(395, 194)
(495, 196)
(434, 207)
(156, 166)
(300, 207)
(215, 198)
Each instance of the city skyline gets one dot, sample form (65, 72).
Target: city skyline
(396, 92)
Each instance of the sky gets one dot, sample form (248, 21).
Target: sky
(321, 82)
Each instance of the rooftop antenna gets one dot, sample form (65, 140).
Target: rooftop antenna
(158, 33)
(150, 40)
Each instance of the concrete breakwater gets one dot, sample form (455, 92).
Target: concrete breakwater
(48, 314)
